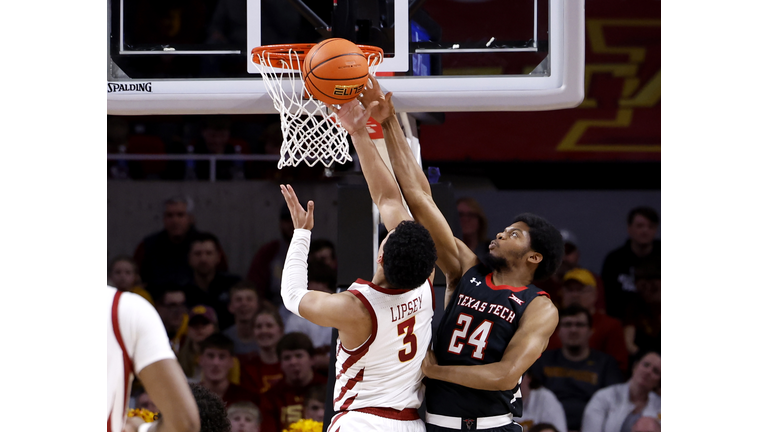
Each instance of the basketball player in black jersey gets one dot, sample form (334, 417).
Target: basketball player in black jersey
(494, 327)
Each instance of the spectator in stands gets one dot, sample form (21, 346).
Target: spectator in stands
(202, 323)
(617, 407)
(164, 256)
(284, 402)
(554, 283)
(260, 371)
(320, 277)
(646, 424)
(323, 250)
(540, 405)
(314, 403)
(642, 329)
(244, 416)
(575, 372)
(641, 249)
(474, 225)
(171, 305)
(243, 304)
(209, 285)
(216, 139)
(544, 427)
(267, 264)
(216, 362)
(123, 274)
(579, 288)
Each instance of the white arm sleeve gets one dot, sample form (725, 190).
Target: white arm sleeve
(294, 280)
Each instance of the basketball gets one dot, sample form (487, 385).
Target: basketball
(335, 71)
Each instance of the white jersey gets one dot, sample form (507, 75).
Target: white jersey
(145, 341)
(385, 372)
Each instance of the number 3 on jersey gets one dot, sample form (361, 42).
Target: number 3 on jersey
(478, 338)
(406, 327)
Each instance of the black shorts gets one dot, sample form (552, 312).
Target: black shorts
(512, 427)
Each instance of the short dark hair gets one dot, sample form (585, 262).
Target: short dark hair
(267, 308)
(244, 285)
(158, 290)
(203, 237)
(218, 341)
(213, 410)
(321, 272)
(546, 240)
(316, 392)
(645, 211)
(320, 244)
(574, 310)
(409, 256)
(295, 341)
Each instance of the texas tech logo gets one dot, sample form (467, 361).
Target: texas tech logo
(469, 424)
(347, 90)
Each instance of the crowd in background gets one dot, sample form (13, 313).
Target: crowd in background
(232, 335)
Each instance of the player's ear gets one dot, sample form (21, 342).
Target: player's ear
(535, 258)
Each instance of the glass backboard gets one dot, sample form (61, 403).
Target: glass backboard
(192, 56)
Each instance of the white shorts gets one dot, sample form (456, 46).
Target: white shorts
(348, 421)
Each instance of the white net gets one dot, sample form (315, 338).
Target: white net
(311, 131)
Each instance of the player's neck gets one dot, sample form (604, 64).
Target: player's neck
(510, 277)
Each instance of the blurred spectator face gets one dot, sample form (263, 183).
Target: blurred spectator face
(215, 363)
(469, 220)
(575, 292)
(325, 256)
(143, 401)
(650, 290)
(200, 329)
(314, 410)
(176, 220)
(296, 366)
(243, 422)
(172, 308)
(647, 372)
(575, 331)
(267, 331)
(570, 258)
(204, 257)
(646, 424)
(123, 275)
(243, 304)
(642, 231)
(216, 139)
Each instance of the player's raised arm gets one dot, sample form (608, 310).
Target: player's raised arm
(381, 184)
(342, 311)
(452, 259)
(536, 326)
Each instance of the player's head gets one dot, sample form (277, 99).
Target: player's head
(314, 403)
(407, 255)
(245, 416)
(531, 239)
(216, 357)
(213, 411)
(295, 353)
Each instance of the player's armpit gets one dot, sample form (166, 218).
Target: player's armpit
(536, 326)
(342, 311)
(168, 388)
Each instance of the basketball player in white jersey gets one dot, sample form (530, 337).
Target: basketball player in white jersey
(384, 324)
(137, 345)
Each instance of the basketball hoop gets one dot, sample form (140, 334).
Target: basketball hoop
(311, 131)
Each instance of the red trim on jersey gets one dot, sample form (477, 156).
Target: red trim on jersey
(349, 385)
(489, 282)
(432, 288)
(127, 363)
(543, 293)
(390, 291)
(362, 349)
(391, 413)
(337, 417)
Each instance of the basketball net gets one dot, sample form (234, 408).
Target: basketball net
(311, 131)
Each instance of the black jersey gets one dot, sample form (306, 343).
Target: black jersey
(475, 329)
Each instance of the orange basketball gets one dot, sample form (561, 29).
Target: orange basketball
(335, 71)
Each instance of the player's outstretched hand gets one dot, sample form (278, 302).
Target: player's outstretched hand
(372, 94)
(353, 116)
(301, 218)
(429, 362)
